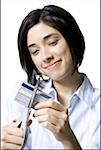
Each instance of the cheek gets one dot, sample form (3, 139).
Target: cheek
(66, 54)
(63, 52)
(36, 61)
(63, 49)
(69, 62)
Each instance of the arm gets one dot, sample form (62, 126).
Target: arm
(52, 116)
(71, 141)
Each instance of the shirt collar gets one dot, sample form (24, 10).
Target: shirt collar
(83, 93)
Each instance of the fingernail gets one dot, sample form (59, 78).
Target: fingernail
(14, 120)
(33, 115)
(29, 122)
(34, 104)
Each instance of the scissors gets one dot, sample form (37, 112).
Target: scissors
(36, 95)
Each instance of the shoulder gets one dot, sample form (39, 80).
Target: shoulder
(96, 100)
(93, 97)
(88, 93)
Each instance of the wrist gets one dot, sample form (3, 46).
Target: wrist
(71, 142)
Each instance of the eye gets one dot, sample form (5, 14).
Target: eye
(53, 43)
(35, 52)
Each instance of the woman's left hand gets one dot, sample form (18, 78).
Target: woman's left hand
(52, 116)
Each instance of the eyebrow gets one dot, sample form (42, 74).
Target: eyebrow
(46, 37)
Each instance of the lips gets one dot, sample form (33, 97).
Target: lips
(55, 63)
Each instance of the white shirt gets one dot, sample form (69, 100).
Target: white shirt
(84, 118)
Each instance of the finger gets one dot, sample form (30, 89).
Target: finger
(51, 127)
(13, 139)
(10, 146)
(48, 118)
(16, 131)
(53, 120)
(50, 104)
(51, 112)
(13, 124)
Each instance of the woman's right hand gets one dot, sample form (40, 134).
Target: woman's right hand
(11, 137)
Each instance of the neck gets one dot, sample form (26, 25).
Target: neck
(66, 87)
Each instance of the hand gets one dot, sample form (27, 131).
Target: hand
(52, 116)
(11, 137)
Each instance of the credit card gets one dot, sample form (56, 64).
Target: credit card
(25, 93)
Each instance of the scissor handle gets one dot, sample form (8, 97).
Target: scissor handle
(22, 123)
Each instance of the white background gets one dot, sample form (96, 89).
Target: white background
(87, 15)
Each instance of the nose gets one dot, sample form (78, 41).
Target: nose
(47, 56)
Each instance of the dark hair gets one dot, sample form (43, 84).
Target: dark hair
(59, 19)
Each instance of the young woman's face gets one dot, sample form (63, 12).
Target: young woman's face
(50, 52)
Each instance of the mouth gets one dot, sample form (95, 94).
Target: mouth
(54, 64)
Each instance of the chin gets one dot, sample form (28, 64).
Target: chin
(56, 77)
(59, 74)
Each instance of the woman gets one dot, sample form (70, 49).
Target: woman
(51, 43)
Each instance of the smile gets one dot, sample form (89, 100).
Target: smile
(54, 64)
